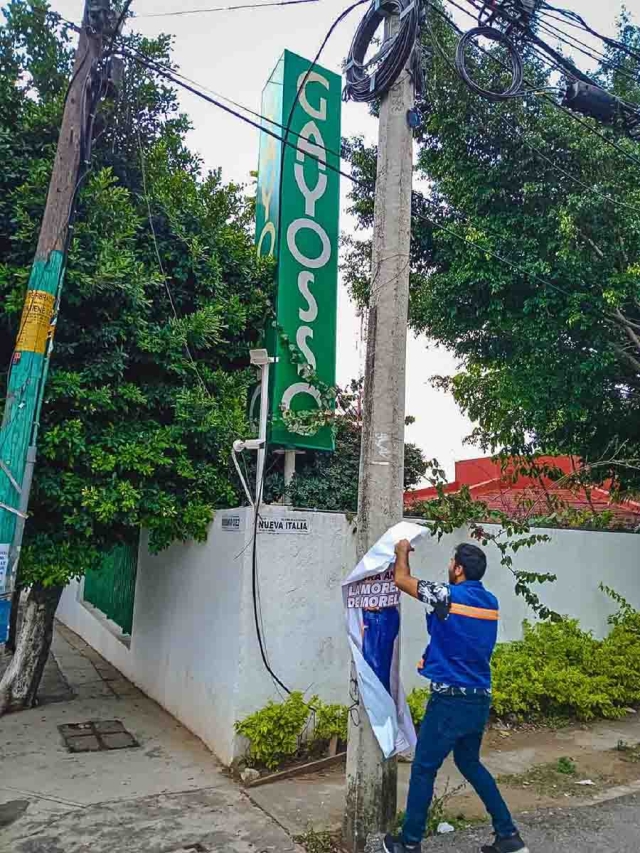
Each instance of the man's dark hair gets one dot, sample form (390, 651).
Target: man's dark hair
(472, 559)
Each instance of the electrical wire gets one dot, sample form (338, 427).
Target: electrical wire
(522, 27)
(575, 44)
(416, 195)
(393, 56)
(630, 109)
(534, 90)
(116, 30)
(565, 65)
(573, 16)
(484, 249)
(260, 486)
(479, 247)
(153, 64)
(225, 8)
(514, 127)
(596, 56)
(514, 89)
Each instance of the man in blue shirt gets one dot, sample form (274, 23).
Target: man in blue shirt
(462, 621)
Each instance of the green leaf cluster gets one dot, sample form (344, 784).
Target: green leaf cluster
(163, 298)
(276, 732)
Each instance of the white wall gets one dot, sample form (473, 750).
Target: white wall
(194, 646)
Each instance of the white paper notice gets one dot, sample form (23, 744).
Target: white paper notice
(372, 610)
(4, 565)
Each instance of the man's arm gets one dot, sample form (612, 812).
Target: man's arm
(434, 595)
(402, 570)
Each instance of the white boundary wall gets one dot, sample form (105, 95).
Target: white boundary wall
(194, 646)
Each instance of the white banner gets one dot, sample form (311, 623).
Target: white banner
(372, 610)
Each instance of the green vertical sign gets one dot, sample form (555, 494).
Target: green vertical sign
(297, 223)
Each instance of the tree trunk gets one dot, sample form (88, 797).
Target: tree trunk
(20, 683)
(10, 645)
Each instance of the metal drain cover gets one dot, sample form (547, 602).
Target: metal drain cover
(96, 736)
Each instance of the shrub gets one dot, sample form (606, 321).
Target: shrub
(274, 731)
(559, 670)
(566, 765)
(330, 721)
(417, 701)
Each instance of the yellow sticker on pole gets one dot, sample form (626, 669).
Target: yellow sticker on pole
(36, 321)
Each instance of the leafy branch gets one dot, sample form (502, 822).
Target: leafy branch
(450, 511)
(308, 421)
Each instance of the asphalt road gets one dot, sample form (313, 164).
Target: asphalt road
(611, 827)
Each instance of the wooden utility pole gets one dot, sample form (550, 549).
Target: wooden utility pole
(30, 361)
(372, 781)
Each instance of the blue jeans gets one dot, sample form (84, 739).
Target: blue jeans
(381, 627)
(452, 724)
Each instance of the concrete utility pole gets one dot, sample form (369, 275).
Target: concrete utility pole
(30, 362)
(372, 781)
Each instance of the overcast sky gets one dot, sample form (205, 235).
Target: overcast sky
(233, 53)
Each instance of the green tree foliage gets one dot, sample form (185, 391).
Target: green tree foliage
(549, 344)
(136, 430)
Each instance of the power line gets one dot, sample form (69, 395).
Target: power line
(154, 65)
(225, 8)
(600, 58)
(513, 126)
(170, 76)
(576, 44)
(558, 106)
(573, 16)
(479, 247)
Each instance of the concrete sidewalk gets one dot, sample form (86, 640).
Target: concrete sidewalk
(167, 794)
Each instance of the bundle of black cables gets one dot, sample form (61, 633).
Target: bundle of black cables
(367, 81)
(514, 88)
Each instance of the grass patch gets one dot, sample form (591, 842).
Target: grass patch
(629, 752)
(566, 766)
(550, 780)
(315, 841)
(441, 812)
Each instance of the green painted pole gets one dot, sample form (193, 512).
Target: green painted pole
(30, 361)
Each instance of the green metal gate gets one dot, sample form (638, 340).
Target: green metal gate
(111, 588)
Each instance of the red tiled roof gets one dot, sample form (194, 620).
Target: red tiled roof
(528, 497)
